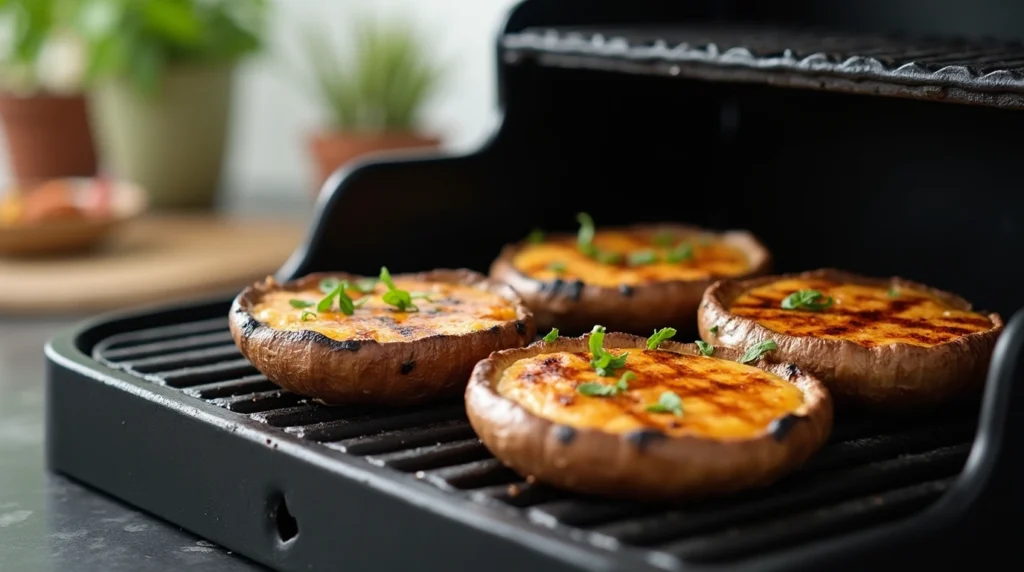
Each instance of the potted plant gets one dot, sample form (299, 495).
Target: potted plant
(41, 106)
(373, 95)
(160, 75)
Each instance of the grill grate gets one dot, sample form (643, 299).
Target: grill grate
(981, 72)
(873, 470)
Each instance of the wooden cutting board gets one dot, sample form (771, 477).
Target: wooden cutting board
(151, 260)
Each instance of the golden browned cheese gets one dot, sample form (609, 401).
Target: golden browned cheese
(560, 258)
(447, 310)
(868, 315)
(721, 399)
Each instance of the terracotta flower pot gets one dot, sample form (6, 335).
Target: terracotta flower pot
(333, 149)
(48, 136)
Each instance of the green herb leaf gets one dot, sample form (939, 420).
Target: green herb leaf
(307, 316)
(809, 300)
(893, 292)
(659, 336)
(668, 402)
(642, 257)
(551, 336)
(757, 350)
(603, 362)
(704, 347)
(664, 238)
(536, 236)
(345, 304)
(395, 296)
(360, 302)
(296, 303)
(623, 383)
(713, 330)
(366, 285)
(585, 237)
(595, 389)
(557, 267)
(682, 252)
(607, 256)
(327, 285)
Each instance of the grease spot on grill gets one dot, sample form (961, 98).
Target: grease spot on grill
(644, 437)
(565, 434)
(408, 366)
(520, 327)
(781, 427)
(574, 290)
(625, 290)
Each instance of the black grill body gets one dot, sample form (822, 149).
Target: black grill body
(832, 130)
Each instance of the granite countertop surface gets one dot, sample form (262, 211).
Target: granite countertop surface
(50, 522)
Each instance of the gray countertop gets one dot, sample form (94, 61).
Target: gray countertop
(49, 522)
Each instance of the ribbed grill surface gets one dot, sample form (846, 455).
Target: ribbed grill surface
(872, 471)
(803, 58)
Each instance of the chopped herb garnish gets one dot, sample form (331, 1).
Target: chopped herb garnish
(603, 362)
(536, 236)
(597, 389)
(360, 302)
(809, 300)
(345, 304)
(307, 316)
(551, 336)
(668, 402)
(296, 303)
(704, 347)
(585, 237)
(682, 252)
(757, 350)
(327, 285)
(366, 285)
(893, 292)
(664, 239)
(557, 267)
(642, 257)
(608, 257)
(420, 295)
(395, 296)
(713, 330)
(623, 383)
(659, 336)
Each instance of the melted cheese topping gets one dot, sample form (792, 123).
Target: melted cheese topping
(720, 398)
(560, 258)
(867, 315)
(448, 310)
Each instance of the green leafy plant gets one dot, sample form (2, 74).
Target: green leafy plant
(138, 39)
(383, 83)
(29, 26)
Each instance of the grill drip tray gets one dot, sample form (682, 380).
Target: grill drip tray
(872, 471)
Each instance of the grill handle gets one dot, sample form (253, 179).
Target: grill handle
(989, 493)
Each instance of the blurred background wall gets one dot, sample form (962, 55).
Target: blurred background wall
(272, 115)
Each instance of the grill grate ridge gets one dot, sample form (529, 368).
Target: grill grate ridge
(828, 61)
(874, 469)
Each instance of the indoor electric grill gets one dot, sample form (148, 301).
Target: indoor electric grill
(819, 126)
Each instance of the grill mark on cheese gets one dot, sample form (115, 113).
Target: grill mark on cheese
(452, 310)
(866, 315)
(712, 258)
(721, 399)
